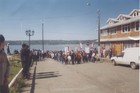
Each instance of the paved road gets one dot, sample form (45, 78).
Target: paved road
(53, 77)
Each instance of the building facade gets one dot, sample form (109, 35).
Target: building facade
(121, 32)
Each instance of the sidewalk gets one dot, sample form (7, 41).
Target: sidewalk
(29, 84)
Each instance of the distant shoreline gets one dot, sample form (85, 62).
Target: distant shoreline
(49, 42)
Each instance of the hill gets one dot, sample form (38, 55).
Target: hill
(50, 42)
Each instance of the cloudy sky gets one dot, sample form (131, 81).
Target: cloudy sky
(63, 19)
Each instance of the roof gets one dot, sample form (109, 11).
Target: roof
(134, 11)
(121, 39)
(134, 19)
(123, 15)
(129, 20)
(113, 19)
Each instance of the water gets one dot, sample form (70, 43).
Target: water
(47, 47)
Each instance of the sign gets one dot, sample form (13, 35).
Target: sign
(67, 50)
(87, 49)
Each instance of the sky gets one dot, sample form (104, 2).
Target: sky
(63, 19)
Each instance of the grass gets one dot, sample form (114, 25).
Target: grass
(15, 66)
(17, 85)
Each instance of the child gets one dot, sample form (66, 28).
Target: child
(4, 67)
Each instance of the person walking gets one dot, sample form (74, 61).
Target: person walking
(4, 67)
(73, 57)
(110, 53)
(104, 52)
(93, 57)
(8, 49)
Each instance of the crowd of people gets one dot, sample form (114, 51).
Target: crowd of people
(77, 57)
(71, 57)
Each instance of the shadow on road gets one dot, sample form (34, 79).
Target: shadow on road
(43, 75)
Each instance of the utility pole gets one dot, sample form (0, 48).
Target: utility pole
(42, 36)
(98, 13)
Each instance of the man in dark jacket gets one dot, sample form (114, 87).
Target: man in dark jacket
(24, 54)
(4, 67)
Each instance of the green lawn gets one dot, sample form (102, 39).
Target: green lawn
(15, 66)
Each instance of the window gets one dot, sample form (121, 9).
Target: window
(137, 43)
(107, 46)
(126, 28)
(137, 26)
(111, 22)
(128, 45)
(104, 32)
(113, 31)
(122, 18)
(137, 13)
(134, 14)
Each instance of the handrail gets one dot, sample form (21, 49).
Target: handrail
(14, 79)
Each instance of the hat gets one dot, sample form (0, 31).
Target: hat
(2, 39)
(23, 45)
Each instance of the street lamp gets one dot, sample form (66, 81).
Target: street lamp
(29, 33)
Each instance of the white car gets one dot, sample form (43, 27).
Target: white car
(130, 56)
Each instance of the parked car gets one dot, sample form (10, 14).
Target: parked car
(130, 56)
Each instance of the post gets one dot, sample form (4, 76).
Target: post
(29, 40)
(43, 37)
(98, 12)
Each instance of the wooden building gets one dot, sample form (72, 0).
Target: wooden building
(121, 32)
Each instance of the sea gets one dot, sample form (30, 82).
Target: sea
(48, 47)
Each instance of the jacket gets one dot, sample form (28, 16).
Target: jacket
(4, 67)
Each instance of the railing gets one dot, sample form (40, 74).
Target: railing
(14, 79)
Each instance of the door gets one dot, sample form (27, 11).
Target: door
(118, 48)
